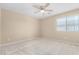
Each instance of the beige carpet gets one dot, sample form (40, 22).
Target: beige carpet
(40, 46)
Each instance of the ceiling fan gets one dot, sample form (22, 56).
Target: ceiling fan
(42, 8)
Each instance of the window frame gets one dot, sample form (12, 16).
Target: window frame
(67, 26)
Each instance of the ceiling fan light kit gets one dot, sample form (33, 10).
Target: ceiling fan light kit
(43, 9)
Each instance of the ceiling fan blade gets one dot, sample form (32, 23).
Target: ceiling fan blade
(37, 12)
(35, 6)
(46, 5)
(49, 10)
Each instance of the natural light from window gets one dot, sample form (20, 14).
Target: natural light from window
(68, 23)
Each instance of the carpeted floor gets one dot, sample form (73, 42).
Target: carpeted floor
(40, 47)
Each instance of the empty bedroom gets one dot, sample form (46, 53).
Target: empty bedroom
(39, 28)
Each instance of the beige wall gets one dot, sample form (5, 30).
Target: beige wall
(18, 26)
(49, 28)
(0, 26)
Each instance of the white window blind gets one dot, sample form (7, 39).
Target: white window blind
(68, 24)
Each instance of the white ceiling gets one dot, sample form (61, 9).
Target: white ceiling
(26, 8)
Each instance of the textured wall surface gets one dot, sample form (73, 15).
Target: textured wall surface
(18, 26)
(0, 27)
(49, 28)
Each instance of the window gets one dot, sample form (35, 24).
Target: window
(68, 24)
